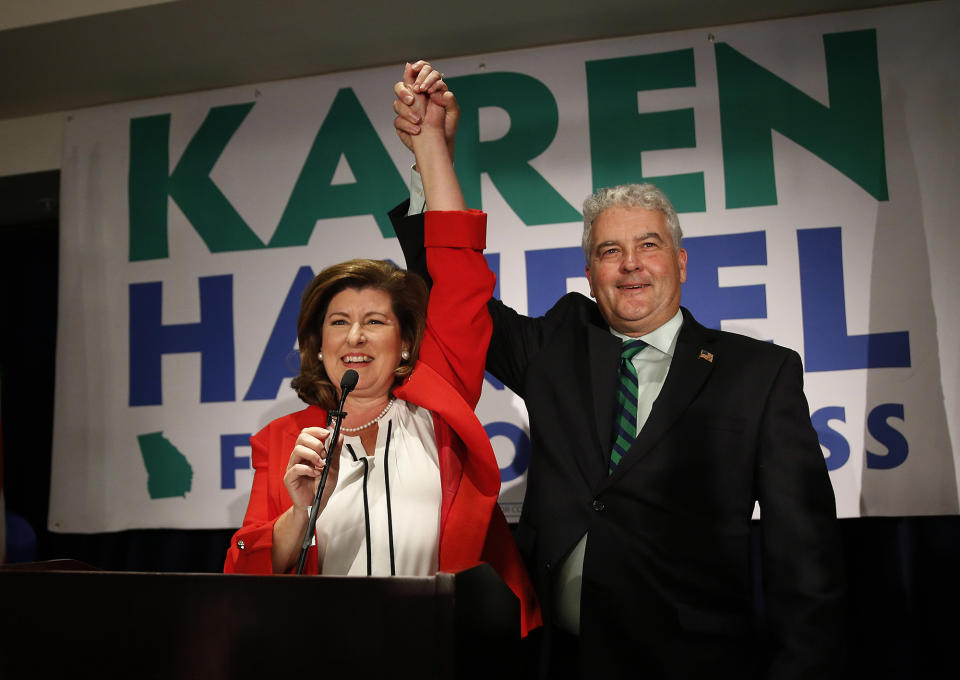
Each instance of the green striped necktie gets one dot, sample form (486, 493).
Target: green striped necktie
(625, 426)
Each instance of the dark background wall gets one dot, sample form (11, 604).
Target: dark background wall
(29, 256)
(903, 572)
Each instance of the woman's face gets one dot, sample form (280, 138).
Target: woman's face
(361, 332)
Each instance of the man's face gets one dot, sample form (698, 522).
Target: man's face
(634, 270)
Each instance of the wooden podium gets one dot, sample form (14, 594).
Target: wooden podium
(59, 621)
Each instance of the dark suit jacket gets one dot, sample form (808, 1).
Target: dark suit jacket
(667, 574)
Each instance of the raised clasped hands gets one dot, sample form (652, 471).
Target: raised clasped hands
(424, 104)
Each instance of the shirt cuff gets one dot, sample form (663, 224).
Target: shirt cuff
(417, 200)
(455, 229)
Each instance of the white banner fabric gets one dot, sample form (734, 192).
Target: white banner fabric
(814, 163)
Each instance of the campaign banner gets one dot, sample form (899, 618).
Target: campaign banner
(813, 161)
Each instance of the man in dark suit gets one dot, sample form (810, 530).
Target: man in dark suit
(636, 519)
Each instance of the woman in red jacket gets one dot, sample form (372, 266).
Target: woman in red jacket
(413, 483)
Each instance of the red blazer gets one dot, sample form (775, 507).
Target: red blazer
(446, 380)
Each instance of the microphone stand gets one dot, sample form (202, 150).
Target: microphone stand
(347, 383)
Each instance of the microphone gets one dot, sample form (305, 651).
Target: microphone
(347, 383)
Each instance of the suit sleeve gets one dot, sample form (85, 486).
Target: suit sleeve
(409, 230)
(458, 325)
(515, 338)
(250, 548)
(455, 345)
(803, 577)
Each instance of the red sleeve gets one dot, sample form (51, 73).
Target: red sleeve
(250, 547)
(458, 324)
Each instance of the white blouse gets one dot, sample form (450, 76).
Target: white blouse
(385, 524)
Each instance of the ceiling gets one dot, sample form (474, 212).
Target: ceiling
(57, 56)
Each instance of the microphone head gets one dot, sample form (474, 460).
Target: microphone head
(349, 380)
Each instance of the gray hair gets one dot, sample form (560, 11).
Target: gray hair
(628, 196)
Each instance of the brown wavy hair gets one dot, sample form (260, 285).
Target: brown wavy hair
(408, 293)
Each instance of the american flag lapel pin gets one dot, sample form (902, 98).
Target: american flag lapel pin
(706, 356)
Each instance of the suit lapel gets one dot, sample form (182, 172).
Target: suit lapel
(693, 361)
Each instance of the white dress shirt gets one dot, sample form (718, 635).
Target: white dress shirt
(405, 521)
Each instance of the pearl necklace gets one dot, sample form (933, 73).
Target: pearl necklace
(376, 420)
